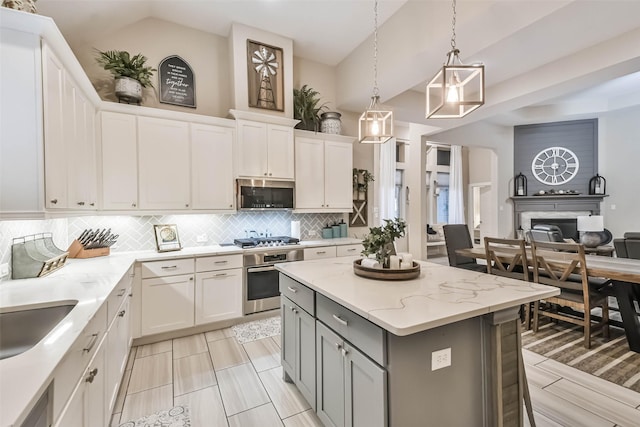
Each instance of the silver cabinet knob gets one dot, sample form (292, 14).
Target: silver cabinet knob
(80, 203)
(186, 205)
(54, 201)
(121, 314)
(92, 375)
(133, 205)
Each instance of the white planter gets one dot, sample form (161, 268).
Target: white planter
(128, 89)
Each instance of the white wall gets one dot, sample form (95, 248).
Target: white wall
(619, 163)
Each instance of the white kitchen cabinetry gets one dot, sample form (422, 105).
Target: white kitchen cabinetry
(212, 183)
(167, 296)
(349, 250)
(119, 161)
(323, 165)
(163, 164)
(69, 141)
(265, 150)
(218, 294)
(320, 253)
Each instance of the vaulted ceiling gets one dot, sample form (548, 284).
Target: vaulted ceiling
(543, 58)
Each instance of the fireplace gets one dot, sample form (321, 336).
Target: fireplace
(568, 226)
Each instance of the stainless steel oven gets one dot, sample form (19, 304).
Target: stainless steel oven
(261, 284)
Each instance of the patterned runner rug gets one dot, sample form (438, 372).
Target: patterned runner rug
(177, 416)
(610, 359)
(257, 329)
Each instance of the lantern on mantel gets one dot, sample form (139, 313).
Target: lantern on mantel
(598, 185)
(520, 185)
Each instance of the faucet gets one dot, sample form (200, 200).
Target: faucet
(253, 233)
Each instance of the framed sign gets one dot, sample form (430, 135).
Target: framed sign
(167, 237)
(177, 82)
(265, 79)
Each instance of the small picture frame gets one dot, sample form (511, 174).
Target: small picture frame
(167, 237)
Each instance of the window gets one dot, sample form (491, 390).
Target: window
(442, 197)
(399, 198)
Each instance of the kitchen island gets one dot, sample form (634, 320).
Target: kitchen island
(439, 350)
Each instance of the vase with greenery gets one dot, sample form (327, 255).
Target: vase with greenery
(361, 180)
(23, 5)
(307, 108)
(379, 241)
(131, 73)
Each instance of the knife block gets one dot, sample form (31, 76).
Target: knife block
(76, 250)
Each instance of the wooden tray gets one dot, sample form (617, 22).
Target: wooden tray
(386, 273)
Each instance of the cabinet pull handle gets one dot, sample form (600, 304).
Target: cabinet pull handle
(321, 252)
(92, 204)
(338, 346)
(265, 174)
(351, 250)
(191, 278)
(80, 203)
(92, 375)
(54, 201)
(220, 262)
(133, 205)
(121, 314)
(94, 338)
(344, 352)
(186, 205)
(270, 173)
(220, 275)
(122, 291)
(339, 320)
(294, 290)
(169, 267)
(230, 206)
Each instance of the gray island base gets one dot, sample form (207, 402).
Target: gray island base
(440, 350)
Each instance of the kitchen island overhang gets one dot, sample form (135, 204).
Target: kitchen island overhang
(472, 317)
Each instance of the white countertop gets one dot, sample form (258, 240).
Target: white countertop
(89, 282)
(440, 296)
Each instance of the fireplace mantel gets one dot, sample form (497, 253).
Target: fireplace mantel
(556, 203)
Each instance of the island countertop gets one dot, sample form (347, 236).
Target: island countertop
(440, 296)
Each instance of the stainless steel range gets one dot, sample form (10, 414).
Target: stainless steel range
(261, 285)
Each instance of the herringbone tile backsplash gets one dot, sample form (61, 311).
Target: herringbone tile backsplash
(136, 233)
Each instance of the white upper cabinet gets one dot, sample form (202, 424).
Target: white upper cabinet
(82, 176)
(212, 184)
(265, 150)
(323, 165)
(119, 161)
(164, 163)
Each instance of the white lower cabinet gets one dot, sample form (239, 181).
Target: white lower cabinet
(320, 253)
(86, 406)
(118, 340)
(351, 389)
(167, 304)
(218, 288)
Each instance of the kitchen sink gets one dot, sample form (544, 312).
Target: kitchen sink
(22, 329)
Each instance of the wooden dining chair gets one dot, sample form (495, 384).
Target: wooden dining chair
(568, 271)
(508, 258)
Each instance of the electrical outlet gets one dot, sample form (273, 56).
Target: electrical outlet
(313, 233)
(4, 270)
(440, 359)
(202, 238)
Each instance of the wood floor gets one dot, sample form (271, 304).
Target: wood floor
(240, 385)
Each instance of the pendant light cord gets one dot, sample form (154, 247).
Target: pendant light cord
(453, 26)
(375, 48)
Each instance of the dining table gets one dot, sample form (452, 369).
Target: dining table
(624, 274)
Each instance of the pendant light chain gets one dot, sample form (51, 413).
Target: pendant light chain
(375, 48)
(453, 26)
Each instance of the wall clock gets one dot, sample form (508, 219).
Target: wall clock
(555, 165)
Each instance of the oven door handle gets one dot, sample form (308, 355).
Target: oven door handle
(260, 269)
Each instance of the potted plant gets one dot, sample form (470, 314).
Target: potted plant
(130, 72)
(379, 241)
(361, 180)
(307, 108)
(24, 5)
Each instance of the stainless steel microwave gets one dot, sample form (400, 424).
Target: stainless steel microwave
(260, 194)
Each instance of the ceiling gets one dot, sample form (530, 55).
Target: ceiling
(545, 59)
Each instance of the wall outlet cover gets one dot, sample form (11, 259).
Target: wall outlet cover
(440, 359)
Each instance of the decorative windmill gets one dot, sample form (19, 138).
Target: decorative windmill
(265, 64)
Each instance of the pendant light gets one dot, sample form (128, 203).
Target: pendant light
(456, 89)
(376, 123)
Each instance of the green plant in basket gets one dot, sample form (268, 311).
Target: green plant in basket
(379, 241)
(121, 64)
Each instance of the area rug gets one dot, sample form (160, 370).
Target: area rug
(609, 359)
(257, 329)
(178, 416)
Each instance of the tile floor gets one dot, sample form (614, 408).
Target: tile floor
(229, 384)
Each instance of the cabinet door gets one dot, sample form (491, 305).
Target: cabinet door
(167, 304)
(82, 175)
(309, 166)
(330, 377)
(58, 107)
(288, 352)
(338, 175)
(218, 295)
(118, 349)
(365, 391)
(119, 161)
(305, 372)
(280, 155)
(163, 164)
(212, 183)
(252, 148)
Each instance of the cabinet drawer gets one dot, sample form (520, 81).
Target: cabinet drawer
(349, 250)
(220, 262)
(298, 293)
(119, 294)
(167, 268)
(320, 253)
(356, 329)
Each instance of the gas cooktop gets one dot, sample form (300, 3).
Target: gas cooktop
(259, 242)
